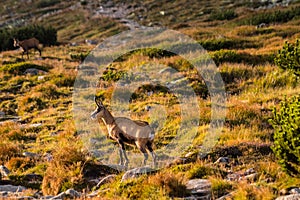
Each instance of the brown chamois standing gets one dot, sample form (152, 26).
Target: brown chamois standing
(28, 44)
(126, 131)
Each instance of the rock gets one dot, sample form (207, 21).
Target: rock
(92, 195)
(4, 171)
(60, 196)
(73, 193)
(36, 125)
(251, 177)
(225, 197)
(249, 171)
(178, 161)
(47, 197)
(199, 187)
(106, 179)
(191, 155)
(3, 193)
(295, 191)
(148, 108)
(2, 114)
(222, 160)
(233, 177)
(30, 155)
(136, 172)
(48, 157)
(91, 42)
(34, 71)
(289, 197)
(41, 78)
(24, 197)
(11, 188)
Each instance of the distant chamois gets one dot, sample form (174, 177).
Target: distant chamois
(28, 44)
(124, 130)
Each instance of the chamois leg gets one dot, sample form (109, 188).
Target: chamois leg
(123, 153)
(143, 150)
(121, 156)
(149, 147)
(38, 50)
(23, 54)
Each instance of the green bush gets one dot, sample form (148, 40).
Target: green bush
(226, 43)
(20, 68)
(47, 3)
(286, 122)
(79, 57)
(112, 74)
(222, 15)
(233, 56)
(288, 57)
(276, 16)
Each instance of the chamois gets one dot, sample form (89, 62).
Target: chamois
(27, 44)
(126, 131)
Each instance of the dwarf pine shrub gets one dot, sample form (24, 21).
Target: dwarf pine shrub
(288, 58)
(286, 122)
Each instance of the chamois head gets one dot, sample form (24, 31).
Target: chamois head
(99, 111)
(16, 42)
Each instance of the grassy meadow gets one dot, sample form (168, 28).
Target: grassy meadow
(38, 116)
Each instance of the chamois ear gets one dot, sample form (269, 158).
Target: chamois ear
(98, 101)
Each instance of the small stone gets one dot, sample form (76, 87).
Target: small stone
(11, 188)
(41, 78)
(289, 197)
(4, 171)
(222, 160)
(59, 196)
(3, 193)
(199, 187)
(233, 177)
(136, 172)
(36, 125)
(251, 177)
(34, 71)
(93, 194)
(30, 155)
(106, 179)
(249, 171)
(73, 193)
(295, 191)
(48, 157)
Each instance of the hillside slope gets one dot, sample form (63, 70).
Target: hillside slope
(46, 153)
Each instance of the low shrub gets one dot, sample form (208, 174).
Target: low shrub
(8, 150)
(226, 43)
(172, 184)
(20, 68)
(222, 15)
(31, 102)
(48, 91)
(79, 57)
(286, 122)
(46, 3)
(63, 80)
(219, 187)
(288, 57)
(232, 56)
(59, 178)
(112, 74)
(274, 16)
(19, 163)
